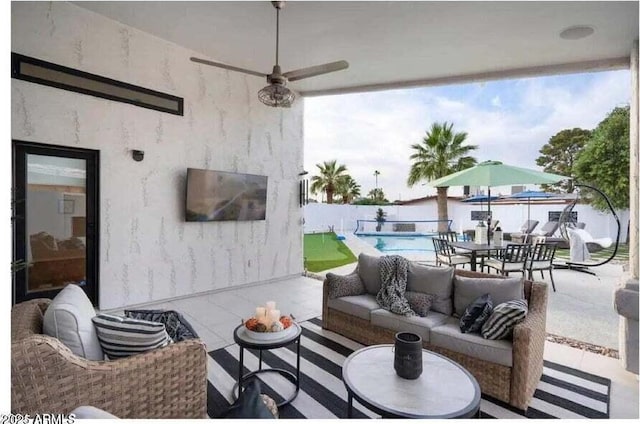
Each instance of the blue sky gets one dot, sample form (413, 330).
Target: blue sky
(509, 120)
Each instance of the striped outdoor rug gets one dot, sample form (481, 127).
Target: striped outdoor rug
(562, 392)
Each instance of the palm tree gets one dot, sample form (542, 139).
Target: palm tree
(375, 174)
(348, 189)
(441, 153)
(329, 178)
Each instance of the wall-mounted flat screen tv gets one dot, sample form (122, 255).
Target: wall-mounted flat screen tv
(225, 196)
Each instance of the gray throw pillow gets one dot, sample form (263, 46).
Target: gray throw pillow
(344, 285)
(437, 281)
(420, 303)
(467, 289)
(369, 272)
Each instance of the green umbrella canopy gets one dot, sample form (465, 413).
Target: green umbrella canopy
(494, 173)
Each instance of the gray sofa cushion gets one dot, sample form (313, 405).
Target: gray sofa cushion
(433, 280)
(369, 272)
(625, 300)
(418, 325)
(359, 306)
(448, 336)
(467, 289)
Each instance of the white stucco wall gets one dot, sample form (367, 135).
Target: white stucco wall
(147, 251)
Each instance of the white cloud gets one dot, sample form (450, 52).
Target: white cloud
(375, 130)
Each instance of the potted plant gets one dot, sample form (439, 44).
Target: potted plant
(380, 218)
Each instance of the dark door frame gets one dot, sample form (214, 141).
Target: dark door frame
(19, 152)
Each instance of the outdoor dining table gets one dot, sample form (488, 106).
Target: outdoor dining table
(474, 248)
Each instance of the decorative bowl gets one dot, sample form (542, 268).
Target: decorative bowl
(269, 335)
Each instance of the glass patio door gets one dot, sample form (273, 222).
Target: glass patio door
(55, 220)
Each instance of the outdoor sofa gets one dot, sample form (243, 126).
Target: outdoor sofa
(46, 377)
(626, 304)
(507, 370)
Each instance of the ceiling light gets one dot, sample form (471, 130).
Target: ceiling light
(577, 32)
(276, 95)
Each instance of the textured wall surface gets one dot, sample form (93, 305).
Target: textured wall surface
(147, 251)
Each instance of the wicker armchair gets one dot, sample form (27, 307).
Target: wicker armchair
(514, 385)
(46, 377)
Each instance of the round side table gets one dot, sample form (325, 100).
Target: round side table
(245, 341)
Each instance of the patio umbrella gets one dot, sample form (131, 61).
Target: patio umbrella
(482, 198)
(531, 194)
(494, 173)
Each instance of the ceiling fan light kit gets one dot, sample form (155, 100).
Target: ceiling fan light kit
(277, 94)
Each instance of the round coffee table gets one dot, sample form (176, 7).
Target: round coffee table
(245, 341)
(443, 390)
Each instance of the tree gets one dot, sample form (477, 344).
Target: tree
(441, 153)
(381, 217)
(348, 189)
(559, 156)
(604, 161)
(375, 174)
(377, 194)
(368, 201)
(329, 178)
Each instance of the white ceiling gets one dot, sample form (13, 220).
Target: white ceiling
(392, 44)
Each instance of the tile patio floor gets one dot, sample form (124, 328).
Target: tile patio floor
(215, 315)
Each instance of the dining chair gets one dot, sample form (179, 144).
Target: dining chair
(541, 259)
(513, 258)
(448, 235)
(452, 236)
(445, 254)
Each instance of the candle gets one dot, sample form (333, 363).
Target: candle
(274, 315)
(260, 313)
(271, 305)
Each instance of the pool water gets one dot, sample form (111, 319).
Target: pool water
(399, 245)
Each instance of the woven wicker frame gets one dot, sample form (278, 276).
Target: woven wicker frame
(46, 377)
(514, 385)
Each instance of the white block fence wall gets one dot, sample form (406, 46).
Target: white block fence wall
(343, 218)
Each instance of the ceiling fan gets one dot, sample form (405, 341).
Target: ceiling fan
(277, 94)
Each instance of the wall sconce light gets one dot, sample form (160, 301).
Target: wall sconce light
(303, 189)
(137, 155)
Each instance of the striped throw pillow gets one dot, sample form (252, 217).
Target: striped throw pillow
(504, 317)
(121, 337)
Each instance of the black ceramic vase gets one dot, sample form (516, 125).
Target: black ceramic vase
(408, 355)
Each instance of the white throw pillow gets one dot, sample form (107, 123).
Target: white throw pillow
(68, 319)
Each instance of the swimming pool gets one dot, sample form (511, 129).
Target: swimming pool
(400, 244)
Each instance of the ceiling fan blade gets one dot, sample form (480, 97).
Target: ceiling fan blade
(229, 67)
(312, 71)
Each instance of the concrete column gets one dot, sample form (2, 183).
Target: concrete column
(634, 160)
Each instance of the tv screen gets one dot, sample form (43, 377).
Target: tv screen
(225, 196)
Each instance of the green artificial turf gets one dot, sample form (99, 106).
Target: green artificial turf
(324, 251)
(621, 255)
